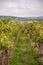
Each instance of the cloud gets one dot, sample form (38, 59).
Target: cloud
(21, 7)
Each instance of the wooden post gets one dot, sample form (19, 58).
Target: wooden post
(7, 57)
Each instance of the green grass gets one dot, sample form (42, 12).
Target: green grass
(23, 53)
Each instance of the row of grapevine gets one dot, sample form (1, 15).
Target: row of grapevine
(35, 30)
(8, 30)
(8, 35)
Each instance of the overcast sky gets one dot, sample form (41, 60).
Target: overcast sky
(21, 8)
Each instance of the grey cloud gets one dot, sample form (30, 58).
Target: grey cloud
(21, 7)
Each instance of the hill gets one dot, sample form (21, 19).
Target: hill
(40, 18)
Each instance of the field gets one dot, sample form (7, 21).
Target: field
(22, 43)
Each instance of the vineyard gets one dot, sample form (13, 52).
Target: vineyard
(21, 43)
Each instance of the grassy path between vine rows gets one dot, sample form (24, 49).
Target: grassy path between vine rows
(23, 53)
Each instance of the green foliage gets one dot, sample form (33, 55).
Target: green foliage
(8, 30)
(36, 31)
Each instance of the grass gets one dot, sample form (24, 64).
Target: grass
(23, 53)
